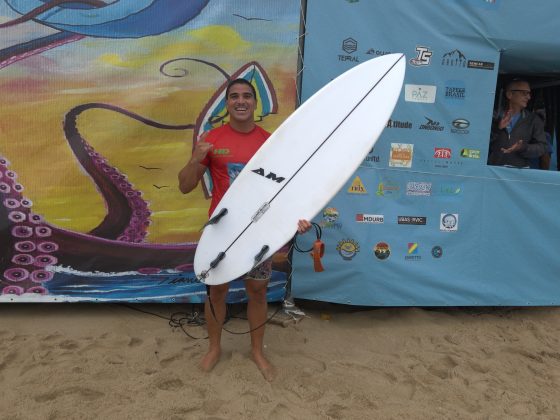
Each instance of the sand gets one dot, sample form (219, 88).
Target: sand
(105, 361)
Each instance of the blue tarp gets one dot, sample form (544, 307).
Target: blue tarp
(424, 221)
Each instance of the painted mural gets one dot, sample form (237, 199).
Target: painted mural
(101, 102)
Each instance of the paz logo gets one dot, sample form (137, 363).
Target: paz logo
(420, 93)
(357, 187)
(348, 248)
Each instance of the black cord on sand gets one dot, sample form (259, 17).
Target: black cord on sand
(196, 319)
(178, 319)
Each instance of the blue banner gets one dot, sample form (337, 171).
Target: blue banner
(424, 220)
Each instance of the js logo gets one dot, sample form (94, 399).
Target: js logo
(270, 175)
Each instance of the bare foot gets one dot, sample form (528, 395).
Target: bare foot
(266, 368)
(210, 360)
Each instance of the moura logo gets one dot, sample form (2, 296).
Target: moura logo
(269, 175)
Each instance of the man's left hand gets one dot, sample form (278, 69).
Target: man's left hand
(303, 226)
(515, 148)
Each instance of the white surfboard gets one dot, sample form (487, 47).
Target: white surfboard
(300, 168)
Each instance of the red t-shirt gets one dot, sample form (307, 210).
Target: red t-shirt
(230, 153)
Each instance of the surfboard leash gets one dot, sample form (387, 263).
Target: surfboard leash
(236, 332)
(316, 251)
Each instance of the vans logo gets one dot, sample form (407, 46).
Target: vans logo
(269, 175)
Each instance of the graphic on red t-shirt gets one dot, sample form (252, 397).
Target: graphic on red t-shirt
(230, 153)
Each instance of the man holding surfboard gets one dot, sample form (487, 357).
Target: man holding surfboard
(224, 151)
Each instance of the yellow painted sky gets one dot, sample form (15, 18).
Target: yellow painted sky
(125, 74)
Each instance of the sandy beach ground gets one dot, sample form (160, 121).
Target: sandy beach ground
(106, 361)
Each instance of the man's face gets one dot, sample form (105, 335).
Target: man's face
(241, 103)
(519, 94)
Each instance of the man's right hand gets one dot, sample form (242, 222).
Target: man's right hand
(506, 119)
(201, 148)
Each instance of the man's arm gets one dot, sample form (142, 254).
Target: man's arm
(190, 175)
(537, 145)
(193, 171)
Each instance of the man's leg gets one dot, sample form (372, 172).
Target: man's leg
(257, 314)
(214, 315)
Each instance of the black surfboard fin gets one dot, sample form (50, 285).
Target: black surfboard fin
(216, 218)
(260, 255)
(217, 260)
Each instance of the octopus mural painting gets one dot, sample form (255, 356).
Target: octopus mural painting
(93, 133)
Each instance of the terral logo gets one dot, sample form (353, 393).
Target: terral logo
(272, 176)
(460, 126)
(411, 220)
(349, 45)
(423, 56)
(442, 153)
(420, 93)
(370, 218)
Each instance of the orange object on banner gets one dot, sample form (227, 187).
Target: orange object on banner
(317, 252)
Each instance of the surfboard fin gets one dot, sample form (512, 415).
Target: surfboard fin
(260, 255)
(216, 218)
(217, 260)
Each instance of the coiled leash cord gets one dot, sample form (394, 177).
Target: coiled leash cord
(316, 251)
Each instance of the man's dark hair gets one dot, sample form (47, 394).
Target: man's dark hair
(512, 82)
(240, 82)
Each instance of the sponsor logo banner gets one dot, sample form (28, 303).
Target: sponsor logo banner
(470, 153)
(330, 217)
(460, 126)
(420, 93)
(401, 155)
(412, 252)
(419, 188)
(388, 188)
(455, 92)
(423, 56)
(431, 125)
(382, 250)
(449, 222)
(412, 220)
(348, 248)
(357, 187)
(370, 218)
(442, 153)
(399, 124)
(483, 65)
